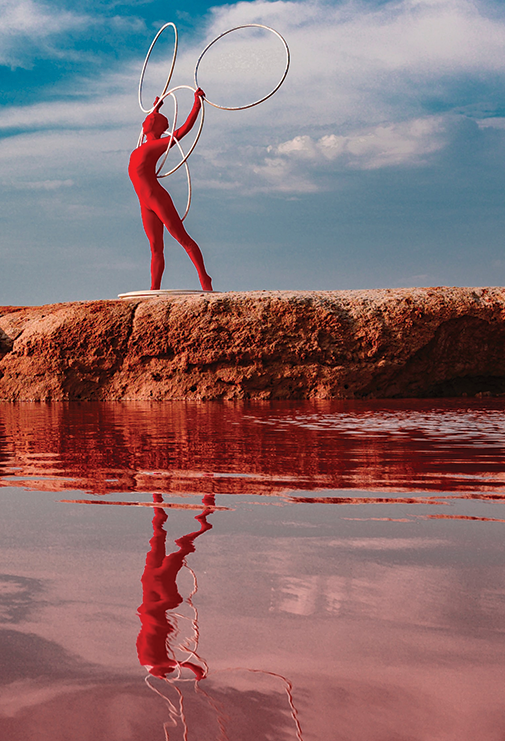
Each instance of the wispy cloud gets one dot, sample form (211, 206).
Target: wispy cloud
(366, 63)
(43, 185)
(28, 27)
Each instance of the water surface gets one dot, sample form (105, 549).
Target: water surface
(329, 570)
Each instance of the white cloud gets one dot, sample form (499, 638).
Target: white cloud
(102, 112)
(494, 122)
(354, 60)
(408, 142)
(280, 175)
(360, 87)
(26, 25)
(61, 157)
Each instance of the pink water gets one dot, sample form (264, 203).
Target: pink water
(326, 571)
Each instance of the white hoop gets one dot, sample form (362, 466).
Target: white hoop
(185, 156)
(250, 105)
(188, 176)
(172, 132)
(171, 140)
(146, 60)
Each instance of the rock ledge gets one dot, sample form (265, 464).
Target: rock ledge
(415, 342)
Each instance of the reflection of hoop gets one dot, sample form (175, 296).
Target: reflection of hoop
(250, 105)
(146, 60)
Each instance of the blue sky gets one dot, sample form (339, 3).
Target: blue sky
(379, 162)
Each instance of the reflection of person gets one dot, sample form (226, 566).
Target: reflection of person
(156, 206)
(160, 593)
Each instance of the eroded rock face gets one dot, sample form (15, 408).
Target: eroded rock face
(258, 345)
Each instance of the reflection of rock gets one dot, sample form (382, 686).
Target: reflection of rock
(81, 711)
(121, 710)
(262, 345)
(26, 655)
(17, 597)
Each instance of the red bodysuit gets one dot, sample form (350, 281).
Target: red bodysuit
(156, 205)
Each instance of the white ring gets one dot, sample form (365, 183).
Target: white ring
(146, 60)
(176, 141)
(188, 175)
(184, 160)
(185, 156)
(250, 105)
(172, 133)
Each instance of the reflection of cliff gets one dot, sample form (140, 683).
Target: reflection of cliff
(4, 455)
(260, 449)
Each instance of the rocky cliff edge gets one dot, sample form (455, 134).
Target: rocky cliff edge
(415, 342)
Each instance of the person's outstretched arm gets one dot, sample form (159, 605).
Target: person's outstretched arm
(190, 121)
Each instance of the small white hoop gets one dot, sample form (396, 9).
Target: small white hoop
(185, 156)
(170, 137)
(250, 105)
(188, 177)
(171, 140)
(146, 60)
(184, 162)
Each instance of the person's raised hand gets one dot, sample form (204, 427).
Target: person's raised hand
(199, 92)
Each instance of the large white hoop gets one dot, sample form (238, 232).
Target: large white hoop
(250, 105)
(146, 60)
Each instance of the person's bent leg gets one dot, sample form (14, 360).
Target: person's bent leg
(168, 214)
(153, 227)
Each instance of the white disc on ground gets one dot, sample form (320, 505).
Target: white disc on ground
(163, 292)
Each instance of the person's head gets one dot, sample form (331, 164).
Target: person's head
(155, 123)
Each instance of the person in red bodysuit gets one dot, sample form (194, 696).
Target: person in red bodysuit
(156, 205)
